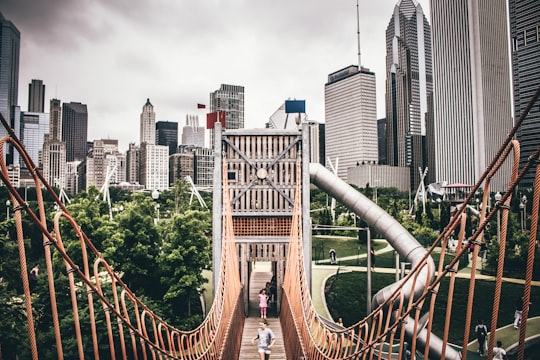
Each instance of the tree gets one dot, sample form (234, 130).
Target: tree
(186, 252)
(135, 248)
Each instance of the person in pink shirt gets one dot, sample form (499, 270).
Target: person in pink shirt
(263, 303)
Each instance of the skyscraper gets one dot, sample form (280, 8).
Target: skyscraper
(132, 164)
(351, 118)
(9, 76)
(36, 96)
(472, 105)
(167, 135)
(104, 160)
(409, 81)
(54, 149)
(192, 133)
(153, 159)
(34, 127)
(154, 166)
(525, 36)
(148, 123)
(228, 98)
(75, 130)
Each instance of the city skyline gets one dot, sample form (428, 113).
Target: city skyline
(184, 51)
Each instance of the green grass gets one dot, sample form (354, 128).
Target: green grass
(346, 298)
(387, 260)
(344, 246)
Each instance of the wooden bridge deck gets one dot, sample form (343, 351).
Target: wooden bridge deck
(261, 274)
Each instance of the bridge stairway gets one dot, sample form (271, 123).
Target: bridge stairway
(248, 351)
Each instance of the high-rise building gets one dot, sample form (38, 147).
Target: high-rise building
(192, 133)
(36, 96)
(381, 141)
(104, 160)
(132, 164)
(148, 124)
(409, 81)
(75, 130)
(204, 167)
(73, 178)
(525, 36)
(182, 164)
(34, 127)
(54, 149)
(228, 98)
(9, 78)
(472, 100)
(154, 166)
(167, 135)
(351, 118)
(317, 152)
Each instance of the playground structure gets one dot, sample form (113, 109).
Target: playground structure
(261, 213)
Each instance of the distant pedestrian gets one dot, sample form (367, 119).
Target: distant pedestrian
(498, 352)
(34, 273)
(340, 322)
(481, 331)
(266, 338)
(518, 312)
(372, 254)
(263, 303)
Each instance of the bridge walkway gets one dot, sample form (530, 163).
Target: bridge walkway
(248, 351)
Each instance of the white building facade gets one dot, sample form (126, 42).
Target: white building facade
(351, 118)
(472, 96)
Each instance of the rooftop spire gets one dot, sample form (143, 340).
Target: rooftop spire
(358, 33)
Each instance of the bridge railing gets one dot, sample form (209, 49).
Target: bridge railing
(108, 320)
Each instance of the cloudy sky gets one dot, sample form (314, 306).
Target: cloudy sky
(114, 54)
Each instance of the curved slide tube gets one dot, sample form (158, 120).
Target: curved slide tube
(396, 235)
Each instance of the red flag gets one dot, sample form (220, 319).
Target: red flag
(201, 106)
(214, 117)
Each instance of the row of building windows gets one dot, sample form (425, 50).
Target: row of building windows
(529, 36)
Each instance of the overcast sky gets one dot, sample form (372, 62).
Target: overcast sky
(114, 54)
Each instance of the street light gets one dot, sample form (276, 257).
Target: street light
(498, 197)
(8, 204)
(523, 207)
(368, 255)
(155, 196)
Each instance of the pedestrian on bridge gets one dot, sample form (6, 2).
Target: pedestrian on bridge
(266, 338)
(263, 303)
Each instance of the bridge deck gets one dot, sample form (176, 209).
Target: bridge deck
(261, 274)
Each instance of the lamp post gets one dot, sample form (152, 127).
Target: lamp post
(155, 196)
(498, 197)
(8, 204)
(523, 207)
(368, 287)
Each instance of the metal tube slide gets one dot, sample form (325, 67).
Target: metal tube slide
(396, 235)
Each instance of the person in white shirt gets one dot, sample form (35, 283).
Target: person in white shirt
(498, 352)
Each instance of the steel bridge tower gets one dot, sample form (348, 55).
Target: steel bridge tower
(261, 172)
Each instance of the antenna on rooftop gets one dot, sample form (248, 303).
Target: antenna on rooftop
(358, 32)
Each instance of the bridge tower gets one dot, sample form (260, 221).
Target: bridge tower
(261, 173)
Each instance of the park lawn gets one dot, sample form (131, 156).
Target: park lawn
(344, 246)
(387, 260)
(346, 298)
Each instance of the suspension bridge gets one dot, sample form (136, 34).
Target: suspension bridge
(261, 214)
